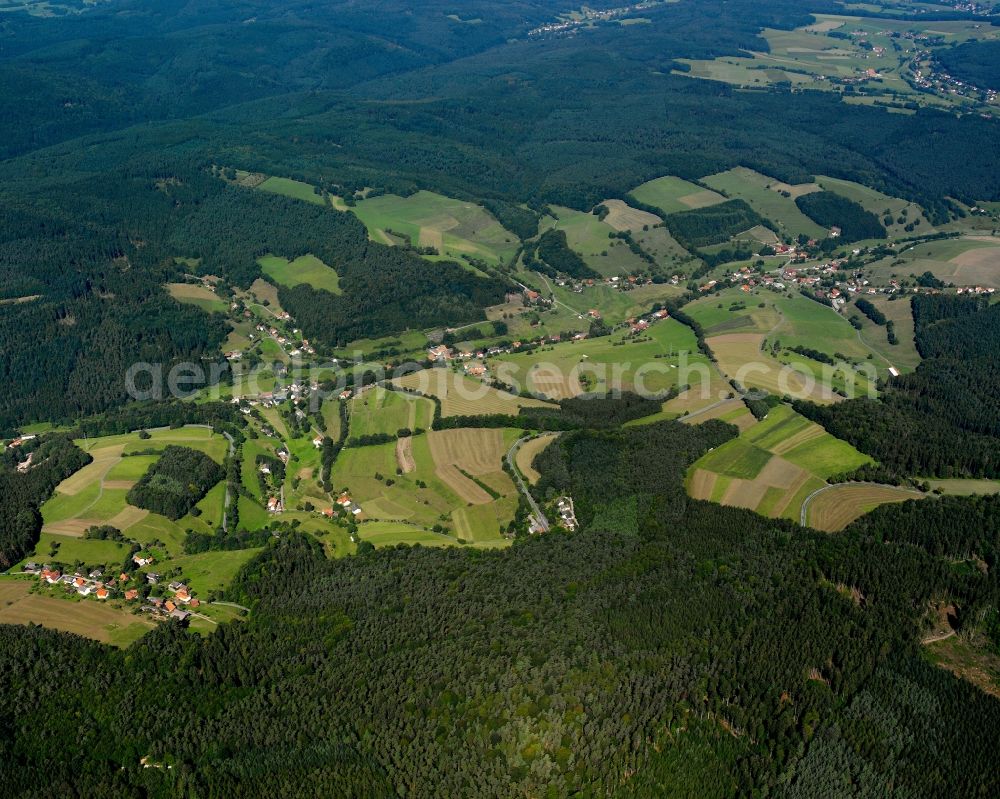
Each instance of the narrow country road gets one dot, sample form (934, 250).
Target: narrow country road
(511, 454)
(225, 504)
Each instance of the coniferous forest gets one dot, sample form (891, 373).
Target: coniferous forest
(672, 647)
(666, 647)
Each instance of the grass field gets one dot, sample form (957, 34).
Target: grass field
(622, 216)
(964, 488)
(390, 534)
(878, 203)
(378, 411)
(733, 411)
(569, 313)
(837, 507)
(671, 194)
(457, 230)
(208, 571)
(763, 194)
(444, 487)
(773, 465)
(91, 619)
(292, 188)
(810, 58)
(96, 494)
(665, 356)
(903, 355)
(589, 237)
(304, 269)
(199, 295)
(71, 550)
(741, 329)
(465, 396)
(966, 261)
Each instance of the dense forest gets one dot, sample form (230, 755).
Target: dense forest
(943, 419)
(977, 63)
(830, 210)
(703, 227)
(668, 647)
(89, 231)
(671, 647)
(555, 253)
(179, 478)
(22, 494)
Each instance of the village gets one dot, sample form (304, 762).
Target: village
(178, 602)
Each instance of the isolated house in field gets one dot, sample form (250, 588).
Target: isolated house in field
(141, 560)
(318, 442)
(274, 505)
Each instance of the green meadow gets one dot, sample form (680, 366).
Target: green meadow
(671, 194)
(304, 269)
(292, 188)
(760, 193)
(649, 360)
(591, 239)
(456, 229)
(378, 411)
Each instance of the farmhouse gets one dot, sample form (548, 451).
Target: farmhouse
(440, 353)
(274, 505)
(142, 560)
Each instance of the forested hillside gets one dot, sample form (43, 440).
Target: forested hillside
(943, 419)
(91, 226)
(23, 494)
(173, 175)
(671, 647)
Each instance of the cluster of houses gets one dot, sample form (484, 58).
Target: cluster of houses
(589, 16)
(95, 585)
(345, 502)
(947, 83)
(975, 290)
(21, 440)
(92, 584)
(642, 324)
(296, 347)
(269, 399)
(567, 513)
(174, 607)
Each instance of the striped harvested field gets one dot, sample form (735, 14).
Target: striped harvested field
(527, 453)
(837, 507)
